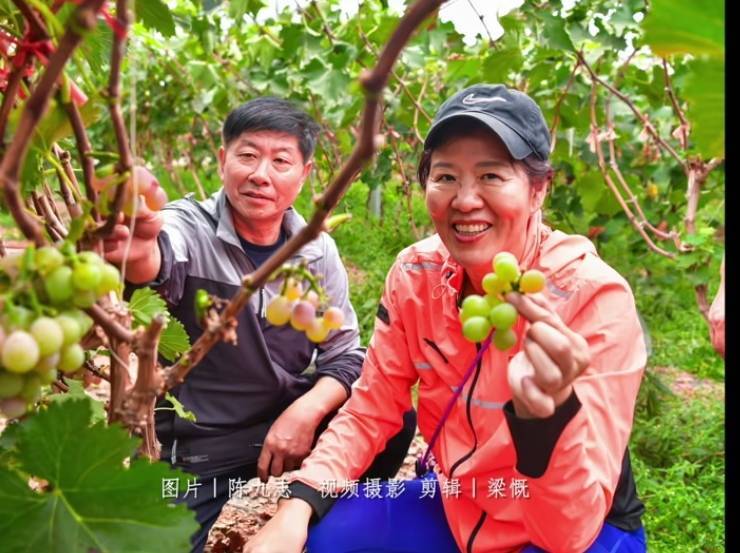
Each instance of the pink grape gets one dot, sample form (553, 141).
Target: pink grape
(278, 311)
(302, 315)
(20, 352)
(503, 316)
(532, 281)
(13, 407)
(333, 318)
(475, 329)
(313, 298)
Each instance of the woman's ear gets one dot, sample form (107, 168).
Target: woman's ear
(538, 192)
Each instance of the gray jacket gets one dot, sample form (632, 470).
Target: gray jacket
(243, 388)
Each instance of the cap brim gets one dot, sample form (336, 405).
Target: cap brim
(516, 145)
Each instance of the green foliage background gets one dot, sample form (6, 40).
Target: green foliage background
(190, 62)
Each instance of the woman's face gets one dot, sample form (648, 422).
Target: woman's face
(480, 200)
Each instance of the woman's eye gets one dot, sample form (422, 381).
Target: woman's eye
(491, 177)
(444, 177)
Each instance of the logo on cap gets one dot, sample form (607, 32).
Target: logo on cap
(471, 100)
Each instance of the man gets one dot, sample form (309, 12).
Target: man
(258, 412)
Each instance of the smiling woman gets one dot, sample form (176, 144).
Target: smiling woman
(552, 415)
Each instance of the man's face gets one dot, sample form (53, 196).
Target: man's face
(262, 173)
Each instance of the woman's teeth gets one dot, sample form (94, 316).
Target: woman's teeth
(471, 229)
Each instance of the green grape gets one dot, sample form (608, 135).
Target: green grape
(110, 280)
(84, 299)
(507, 269)
(474, 306)
(278, 311)
(48, 376)
(86, 276)
(48, 259)
(18, 318)
(532, 281)
(91, 258)
(20, 352)
(503, 316)
(13, 407)
(72, 358)
(504, 339)
(83, 320)
(70, 329)
(503, 255)
(58, 285)
(31, 389)
(10, 384)
(493, 301)
(48, 362)
(493, 284)
(475, 329)
(48, 334)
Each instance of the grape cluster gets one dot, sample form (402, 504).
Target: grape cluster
(41, 319)
(300, 309)
(480, 314)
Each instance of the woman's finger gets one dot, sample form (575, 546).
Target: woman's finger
(536, 401)
(548, 375)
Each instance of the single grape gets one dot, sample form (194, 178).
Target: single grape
(507, 269)
(302, 315)
(474, 306)
(31, 389)
(293, 290)
(84, 298)
(110, 280)
(503, 316)
(48, 334)
(86, 276)
(11, 384)
(48, 376)
(313, 298)
(58, 285)
(91, 258)
(504, 339)
(493, 301)
(317, 331)
(71, 358)
(70, 329)
(493, 284)
(20, 352)
(18, 318)
(48, 259)
(84, 320)
(333, 318)
(13, 407)
(503, 255)
(278, 311)
(475, 329)
(532, 281)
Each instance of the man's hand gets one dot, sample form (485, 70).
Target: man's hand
(286, 532)
(291, 436)
(553, 356)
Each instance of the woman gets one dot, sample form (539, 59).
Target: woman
(537, 442)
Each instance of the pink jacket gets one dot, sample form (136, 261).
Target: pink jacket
(420, 341)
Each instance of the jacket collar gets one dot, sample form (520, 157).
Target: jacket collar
(217, 206)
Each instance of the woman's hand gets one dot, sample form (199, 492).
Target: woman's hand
(286, 532)
(552, 357)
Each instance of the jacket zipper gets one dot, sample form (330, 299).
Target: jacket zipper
(474, 533)
(263, 303)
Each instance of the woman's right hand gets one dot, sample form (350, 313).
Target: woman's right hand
(286, 532)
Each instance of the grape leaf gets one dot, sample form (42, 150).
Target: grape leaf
(155, 14)
(705, 95)
(179, 408)
(145, 303)
(76, 392)
(686, 26)
(93, 501)
(174, 340)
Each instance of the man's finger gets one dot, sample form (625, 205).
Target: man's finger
(263, 463)
(277, 464)
(548, 375)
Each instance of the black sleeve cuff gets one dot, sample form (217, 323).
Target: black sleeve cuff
(535, 439)
(319, 504)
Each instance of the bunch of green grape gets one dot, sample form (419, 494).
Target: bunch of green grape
(42, 293)
(302, 310)
(481, 314)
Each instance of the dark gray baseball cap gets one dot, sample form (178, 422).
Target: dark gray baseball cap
(511, 114)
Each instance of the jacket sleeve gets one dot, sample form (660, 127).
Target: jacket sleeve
(373, 413)
(340, 355)
(572, 482)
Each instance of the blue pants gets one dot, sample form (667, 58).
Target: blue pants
(410, 523)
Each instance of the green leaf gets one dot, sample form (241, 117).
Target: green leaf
(686, 26)
(144, 304)
(705, 95)
(155, 14)
(93, 502)
(500, 63)
(77, 392)
(174, 340)
(180, 408)
(591, 188)
(555, 34)
(237, 8)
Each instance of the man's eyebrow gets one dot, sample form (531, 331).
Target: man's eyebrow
(247, 142)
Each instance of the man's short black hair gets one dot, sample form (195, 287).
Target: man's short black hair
(272, 114)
